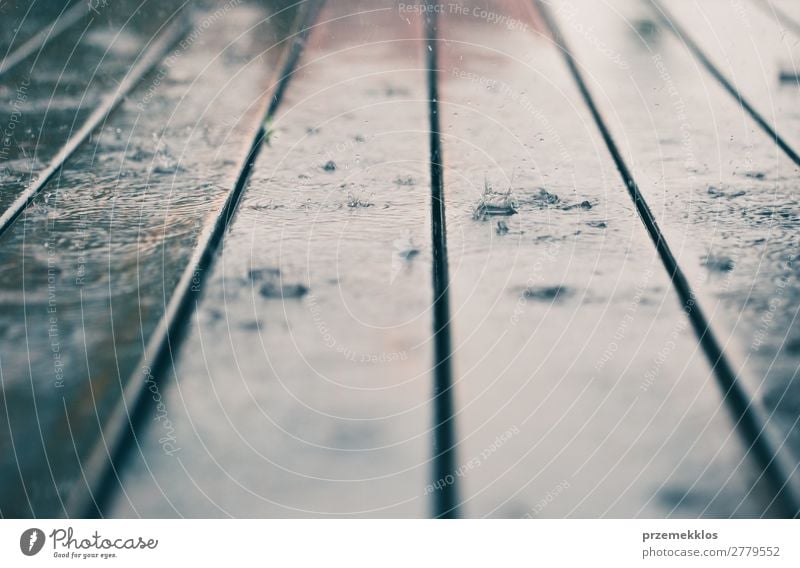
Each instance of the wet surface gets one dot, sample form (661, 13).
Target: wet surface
(723, 193)
(751, 47)
(22, 19)
(48, 96)
(88, 268)
(303, 388)
(577, 372)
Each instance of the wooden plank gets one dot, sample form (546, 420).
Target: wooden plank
(753, 51)
(88, 270)
(582, 388)
(730, 212)
(315, 403)
(28, 44)
(46, 98)
(27, 24)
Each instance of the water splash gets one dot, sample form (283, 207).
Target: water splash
(494, 204)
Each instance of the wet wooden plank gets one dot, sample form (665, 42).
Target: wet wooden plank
(731, 213)
(88, 270)
(754, 51)
(581, 388)
(47, 97)
(24, 20)
(303, 388)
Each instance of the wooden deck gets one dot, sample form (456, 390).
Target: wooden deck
(258, 285)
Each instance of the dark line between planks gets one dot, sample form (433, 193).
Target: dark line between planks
(446, 502)
(747, 419)
(101, 478)
(155, 53)
(696, 50)
(63, 22)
